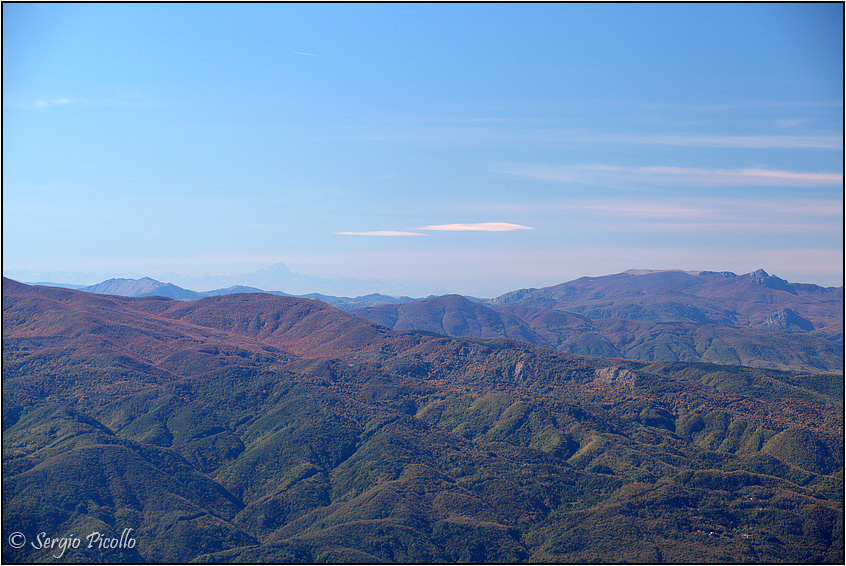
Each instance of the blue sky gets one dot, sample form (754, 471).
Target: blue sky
(445, 147)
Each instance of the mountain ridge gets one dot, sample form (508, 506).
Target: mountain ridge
(719, 317)
(720, 297)
(754, 319)
(631, 339)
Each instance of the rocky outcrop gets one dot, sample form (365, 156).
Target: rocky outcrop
(788, 320)
(616, 375)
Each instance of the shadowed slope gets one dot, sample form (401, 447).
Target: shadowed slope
(301, 326)
(452, 315)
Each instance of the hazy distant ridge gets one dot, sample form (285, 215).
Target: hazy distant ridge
(755, 319)
(148, 287)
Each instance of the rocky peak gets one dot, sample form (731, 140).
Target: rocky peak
(761, 277)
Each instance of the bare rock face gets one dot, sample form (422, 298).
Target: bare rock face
(788, 320)
(616, 375)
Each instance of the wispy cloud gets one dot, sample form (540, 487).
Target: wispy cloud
(736, 227)
(698, 208)
(306, 54)
(41, 103)
(658, 212)
(380, 233)
(715, 141)
(511, 131)
(715, 216)
(679, 176)
(466, 227)
(791, 122)
(734, 176)
(671, 207)
(120, 100)
(478, 227)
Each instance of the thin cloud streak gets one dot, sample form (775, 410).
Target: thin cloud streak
(478, 227)
(466, 227)
(707, 215)
(472, 131)
(687, 176)
(41, 104)
(692, 207)
(736, 227)
(728, 141)
(129, 100)
(745, 176)
(380, 233)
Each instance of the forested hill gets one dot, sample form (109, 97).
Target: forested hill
(261, 428)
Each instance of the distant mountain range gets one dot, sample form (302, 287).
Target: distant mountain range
(252, 427)
(755, 319)
(147, 287)
(703, 297)
(277, 277)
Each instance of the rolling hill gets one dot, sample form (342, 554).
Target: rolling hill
(452, 315)
(260, 428)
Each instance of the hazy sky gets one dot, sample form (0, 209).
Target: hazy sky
(467, 147)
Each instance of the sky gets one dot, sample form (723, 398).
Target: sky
(466, 148)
